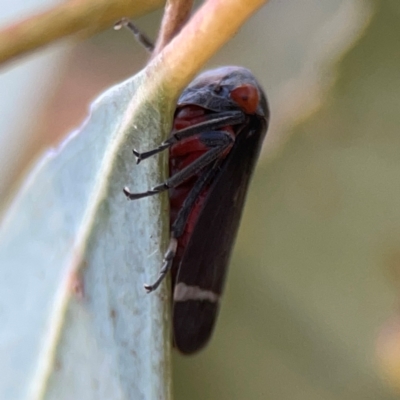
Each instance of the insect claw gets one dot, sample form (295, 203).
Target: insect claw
(135, 196)
(137, 155)
(122, 22)
(126, 191)
(148, 288)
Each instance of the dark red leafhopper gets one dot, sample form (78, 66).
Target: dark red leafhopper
(219, 125)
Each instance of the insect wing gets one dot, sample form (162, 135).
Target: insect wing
(203, 266)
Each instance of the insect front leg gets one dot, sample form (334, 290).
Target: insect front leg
(180, 222)
(211, 122)
(218, 142)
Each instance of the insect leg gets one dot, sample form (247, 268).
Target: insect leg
(219, 141)
(167, 264)
(180, 222)
(212, 121)
(139, 36)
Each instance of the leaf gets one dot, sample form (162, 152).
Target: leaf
(73, 253)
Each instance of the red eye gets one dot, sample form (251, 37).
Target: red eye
(247, 97)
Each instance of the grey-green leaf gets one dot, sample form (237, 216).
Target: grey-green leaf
(74, 255)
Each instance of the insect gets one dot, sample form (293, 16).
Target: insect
(220, 122)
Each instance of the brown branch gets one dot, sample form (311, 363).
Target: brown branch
(176, 14)
(77, 16)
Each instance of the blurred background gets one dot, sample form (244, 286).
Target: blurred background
(311, 305)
